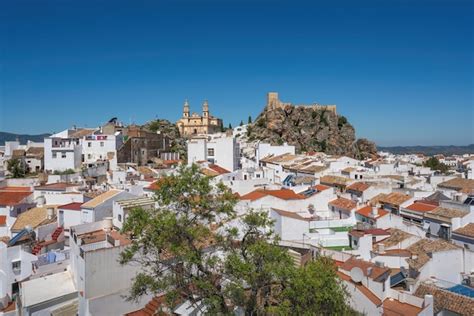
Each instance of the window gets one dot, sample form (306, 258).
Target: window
(210, 151)
(101, 144)
(89, 144)
(89, 156)
(55, 154)
(120, 217)
(63, 155)
(16, 266)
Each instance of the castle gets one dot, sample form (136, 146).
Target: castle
(274, 103)
(195, 124)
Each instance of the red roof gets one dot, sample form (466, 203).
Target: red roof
(367, 212)
(283, 194)
(15, 189)
(13, 198)
(71, 206)
(321, 187)
(3, 220)
(218, 169)
(343, 204)
(421, 207)
(358, 186)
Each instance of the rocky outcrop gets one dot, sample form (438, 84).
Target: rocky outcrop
(309, 129)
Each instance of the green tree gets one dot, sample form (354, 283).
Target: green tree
(16, 168)
(249, 121)
(241, 123)
(186, 248)
(434, 164)
(230, 126)
(315, 290)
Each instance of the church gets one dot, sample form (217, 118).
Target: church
(193, 124)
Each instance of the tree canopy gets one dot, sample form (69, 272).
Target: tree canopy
(434, 164)
(16, 168)
(195, 247)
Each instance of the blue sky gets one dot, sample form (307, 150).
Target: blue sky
(400, 71)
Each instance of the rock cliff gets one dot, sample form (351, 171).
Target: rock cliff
(309, 129)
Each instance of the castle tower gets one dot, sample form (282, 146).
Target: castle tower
(272, 100)
(186, 108)
(205, 109)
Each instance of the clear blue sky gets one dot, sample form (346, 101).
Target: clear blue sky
(401, 71)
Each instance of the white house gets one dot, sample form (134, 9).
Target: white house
(121, 208)
(217, 149)
(101, 206)
(102, 147)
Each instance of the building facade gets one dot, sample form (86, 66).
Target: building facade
(193, 124)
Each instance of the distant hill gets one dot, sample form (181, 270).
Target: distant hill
(429, 150)
(23, 138)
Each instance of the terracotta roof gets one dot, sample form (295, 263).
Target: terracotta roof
(424, 246)
(366, 211)
(336, 180)
(60, 186)
(79, 133)
(71, 206)
(321, 187)
(467, 230)
(349, 169)
(376, 273)
(3, 220)
(343, 203)
(13, 198)
(34, 217)
(284, 194)
(151, 308)
(100, 199)
(395, 198)
(446, 300)
(392, 307)
(419, 206)
(358, 186)
(373, 231)
(445, 214)
(365, 291)
(458, 184)
(35, 152)
(15, 189)
(396, 237)
(376, 199)
(218, 169)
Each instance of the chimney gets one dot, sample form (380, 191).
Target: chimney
(50, 212)
(108, 223)
(375, 211)
(381, 248)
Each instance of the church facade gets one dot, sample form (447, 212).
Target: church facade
(193, 124)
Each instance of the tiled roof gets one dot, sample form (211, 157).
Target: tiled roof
(396, 237)
(291, 215)
(60, 186)
(446, 300)
(358, 186)
(35, 152)
(395, 198)
(100, 199)
(335, 180)
(376, 199)
(467, 230)
(218, 169)
(284, 194)
(392, 307)
(458, 184)
(3, 220)
(446, 214)
(79, 133)
(17, 153)
(373, 231)
(15, 189)
(424, 246)
(13, 198)
(71, 206)
(376, 273)
(343, 203)
(419, 206)
(366, 211)
(321, 187)
(34, 217)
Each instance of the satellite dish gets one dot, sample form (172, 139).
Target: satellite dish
(357, 274)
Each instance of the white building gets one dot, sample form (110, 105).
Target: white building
(218, 149)
(101, 147)
(123, 207)
(264, 150)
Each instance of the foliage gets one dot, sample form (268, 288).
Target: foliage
(230, 126)
(314, 290)
(341, 121)
(188, 248)
(65, 172)
(249, 121)
(241, 123)
(434, 164)
(16, 168)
